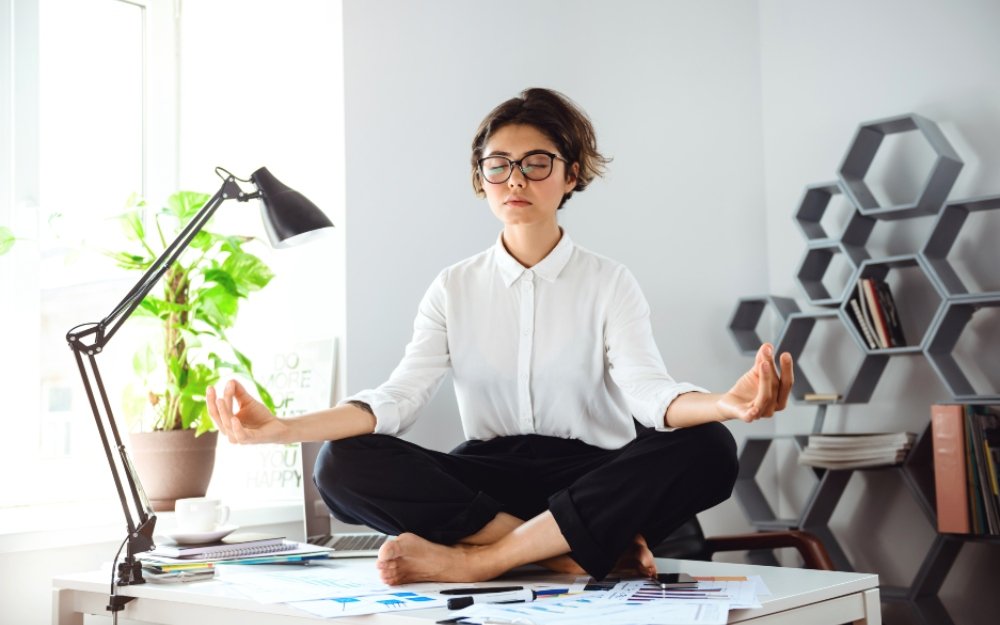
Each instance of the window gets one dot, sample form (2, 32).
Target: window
(91, 82)
(90, 103)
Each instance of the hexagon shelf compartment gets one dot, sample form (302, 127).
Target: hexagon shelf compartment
(877, 270)
(944, 335)
(815, 264)
(793, 340)
(813, 207)
(936, 333)
(946, 230)
(863, 149)
(747, 316)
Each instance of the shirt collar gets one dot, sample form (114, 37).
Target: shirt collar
(548, 268)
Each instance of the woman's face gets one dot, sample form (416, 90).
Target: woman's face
(520, 201)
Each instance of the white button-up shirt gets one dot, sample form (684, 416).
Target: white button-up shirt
(562, 349)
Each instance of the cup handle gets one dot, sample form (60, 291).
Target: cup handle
(223, 515)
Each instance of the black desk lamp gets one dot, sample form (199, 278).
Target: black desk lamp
(289, 218)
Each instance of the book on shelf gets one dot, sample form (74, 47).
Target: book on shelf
(862, 440)
(856, 450)
(243, 543)
(981, 423)
(821, 397)
(858, 316)
(966, 444)
(882, 460)
(878, 319)
(888, 305)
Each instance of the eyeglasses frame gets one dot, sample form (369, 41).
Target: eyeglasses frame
(512, 162)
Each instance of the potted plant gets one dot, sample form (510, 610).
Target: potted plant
(199, 302)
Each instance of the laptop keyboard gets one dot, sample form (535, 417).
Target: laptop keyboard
(353, 542)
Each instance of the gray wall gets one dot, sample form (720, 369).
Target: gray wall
(674, 92)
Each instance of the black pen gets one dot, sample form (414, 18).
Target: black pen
(514, 596)
(479, 590)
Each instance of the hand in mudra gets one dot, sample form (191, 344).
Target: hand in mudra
(760, 392)
(252, 422)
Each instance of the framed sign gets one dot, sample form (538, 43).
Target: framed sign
(300, 379)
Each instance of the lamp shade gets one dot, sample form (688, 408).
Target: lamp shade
(289, 217)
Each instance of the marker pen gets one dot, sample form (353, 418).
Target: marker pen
(514, 596)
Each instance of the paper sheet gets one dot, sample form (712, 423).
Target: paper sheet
(370, 604)
(588, 609)
(737, 594)
(285, 584)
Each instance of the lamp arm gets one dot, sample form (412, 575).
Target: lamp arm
(110, 324)
(88, 340)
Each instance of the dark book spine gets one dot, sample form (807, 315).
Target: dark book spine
(888, 304)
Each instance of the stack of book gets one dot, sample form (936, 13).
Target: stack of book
(873, 311)
(854, 451)
(966, 441)
(173, 562)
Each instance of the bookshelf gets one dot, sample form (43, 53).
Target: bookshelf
(933, 335)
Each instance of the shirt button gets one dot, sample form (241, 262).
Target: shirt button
(524, 376)
(529, 275)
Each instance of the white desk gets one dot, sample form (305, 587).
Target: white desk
(797, 596)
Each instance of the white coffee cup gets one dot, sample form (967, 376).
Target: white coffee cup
(200, 514)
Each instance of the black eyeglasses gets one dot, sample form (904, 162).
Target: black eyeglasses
(536, 166)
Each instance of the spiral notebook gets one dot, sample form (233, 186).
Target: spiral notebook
(232, 546)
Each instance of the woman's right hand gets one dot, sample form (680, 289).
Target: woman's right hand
(251, 423)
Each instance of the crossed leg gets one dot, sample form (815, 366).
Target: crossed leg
(503, 544)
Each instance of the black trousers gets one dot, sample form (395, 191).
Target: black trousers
(601, 499)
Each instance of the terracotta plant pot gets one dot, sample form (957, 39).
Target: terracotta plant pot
(173, 464)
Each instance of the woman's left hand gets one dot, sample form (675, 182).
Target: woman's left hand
(760, 392)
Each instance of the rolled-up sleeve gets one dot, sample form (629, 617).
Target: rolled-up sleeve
(414, 381)
(634, 362)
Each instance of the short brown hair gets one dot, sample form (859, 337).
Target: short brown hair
(558, 118)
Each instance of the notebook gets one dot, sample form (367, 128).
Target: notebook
(291, 551)
(234, 545)
(351, 544)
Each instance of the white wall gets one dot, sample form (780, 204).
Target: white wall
(260, 86)
(673, 91)
(826, 68)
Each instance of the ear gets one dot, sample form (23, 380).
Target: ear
(572, 176)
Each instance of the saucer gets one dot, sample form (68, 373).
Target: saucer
(197, 538)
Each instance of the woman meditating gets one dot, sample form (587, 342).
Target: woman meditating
(581, 451)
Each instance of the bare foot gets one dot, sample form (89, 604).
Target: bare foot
(638, 557)
(409, 558)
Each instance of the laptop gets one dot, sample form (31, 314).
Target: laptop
(354, 541)
(351, 544)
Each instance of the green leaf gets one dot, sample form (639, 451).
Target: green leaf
(126, 260)
(216, 305)
(203, 241)
(184, 204)
(222, 278)
(190, 410)
(150, 306)
(203, 423)
(249, 272)
(245, 364)
(265, 396)
(6, 239)
(132, 225)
